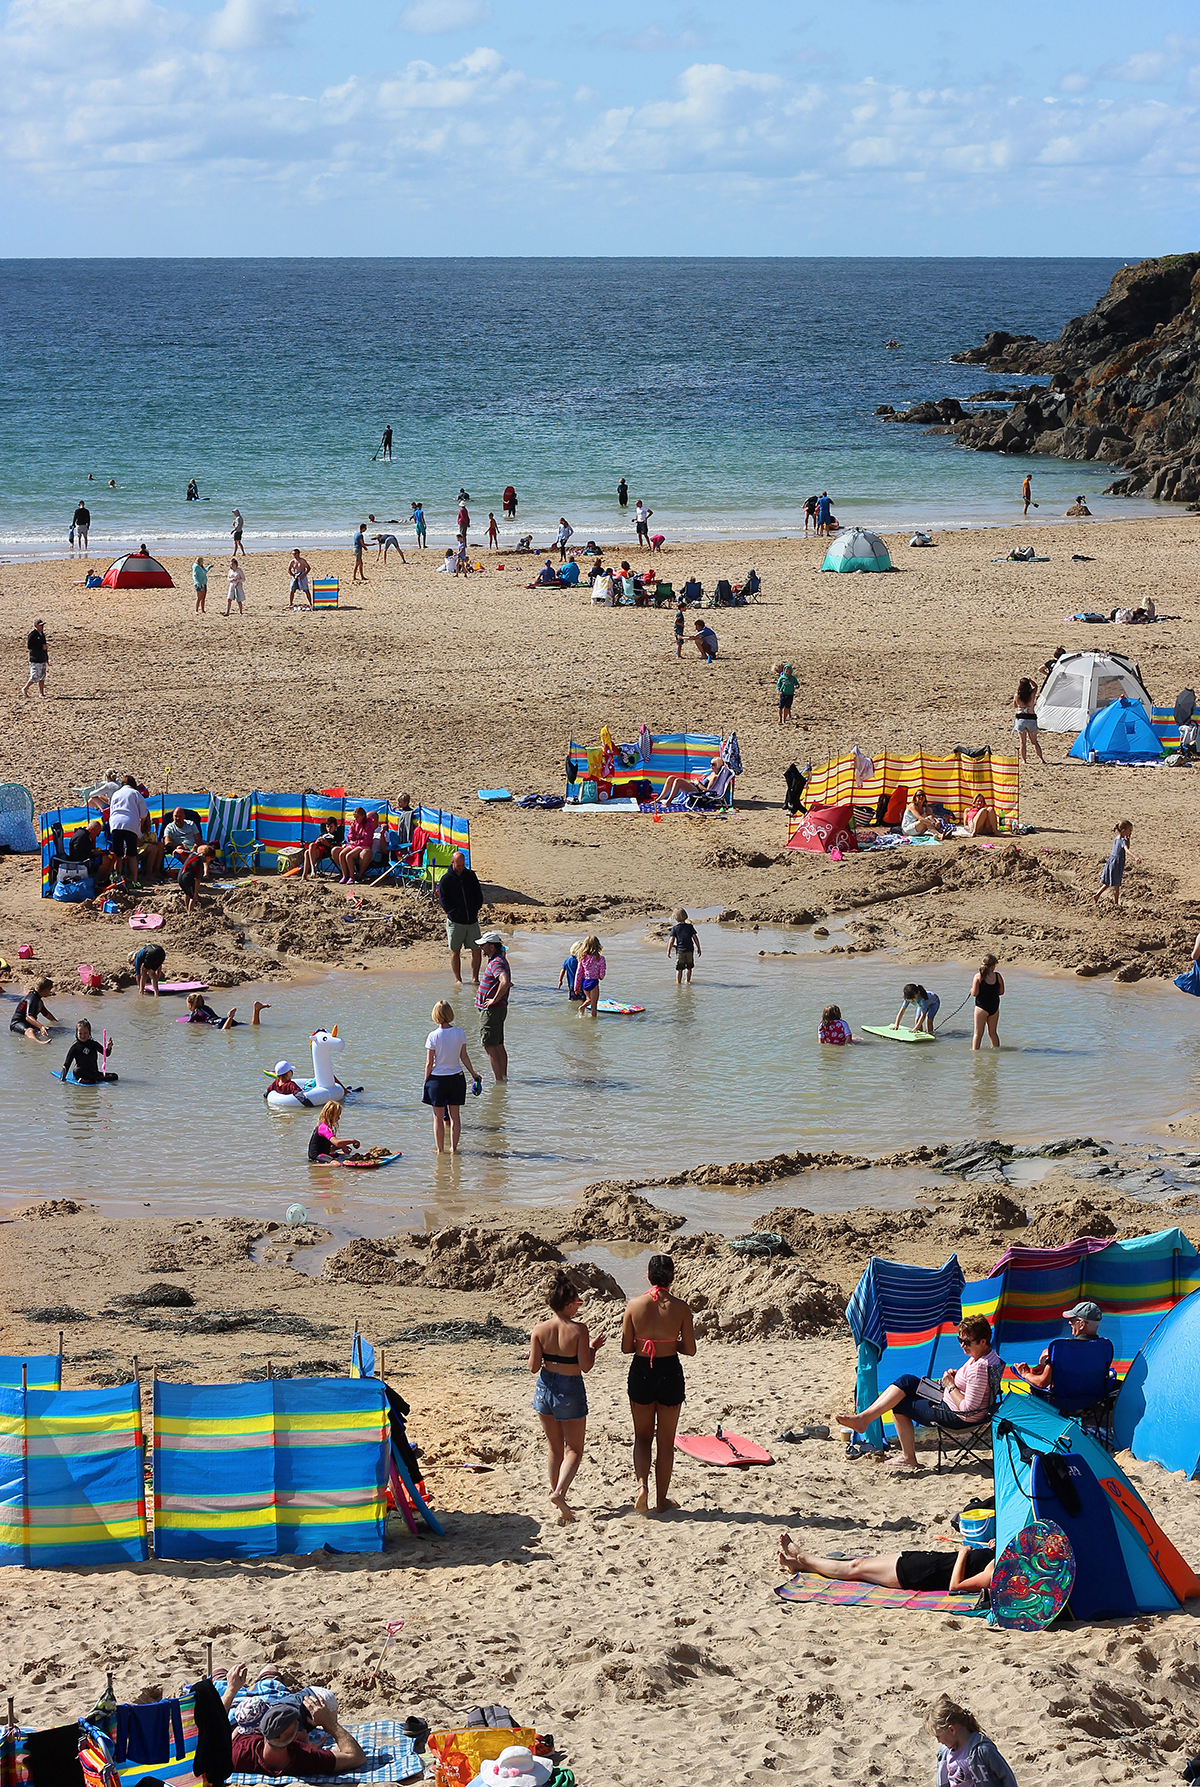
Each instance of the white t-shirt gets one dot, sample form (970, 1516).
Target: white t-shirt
(127, 811)
(447, 1045)
(641, 513)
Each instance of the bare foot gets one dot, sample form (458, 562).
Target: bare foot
(259, 1005)
(665, 1505)
(565, 1516)
(853, 1422)
(642, 1502)
(906, 1464)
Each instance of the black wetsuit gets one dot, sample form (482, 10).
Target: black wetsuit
(86, 1057)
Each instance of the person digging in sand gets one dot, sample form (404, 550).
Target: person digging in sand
(966, 1394)
(560, 1351)
(967, 1572)
(656, 1329)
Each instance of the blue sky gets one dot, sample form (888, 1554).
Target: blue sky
(277, 127)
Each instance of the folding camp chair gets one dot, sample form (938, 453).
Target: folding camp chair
(1083, 1383)
(954, 1444)
(241, 850)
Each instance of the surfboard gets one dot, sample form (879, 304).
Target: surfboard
(723, 1448)
(1175, 1571)
(1102, 1589)
(897, 1035)
(365, 1166)
(615, 1008)
(183, 986)
(1033, 1578)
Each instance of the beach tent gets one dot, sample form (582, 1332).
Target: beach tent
(1158, 1410)
(1080, 683)
(137, 571)
(1119, 733)
(900, 1311)
(1128, 1565)
(857, 551)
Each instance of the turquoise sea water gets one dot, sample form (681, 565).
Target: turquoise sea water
(724, 391)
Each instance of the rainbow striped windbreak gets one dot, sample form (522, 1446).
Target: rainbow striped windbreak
(951, 781)
(674, 754)
(269, 1469)
(43, 1371)
(97, 1756)
(71, 1486)
(276, 819)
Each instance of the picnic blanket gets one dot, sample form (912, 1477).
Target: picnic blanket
(390, 1754)
(804, 1587)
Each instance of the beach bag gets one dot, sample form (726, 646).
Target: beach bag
(588, 792)
(74, 891)
(461, 1754)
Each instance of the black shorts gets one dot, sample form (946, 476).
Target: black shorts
(933, 1569)
(123, 843)
(656, 1380)
(187, 886)
(445, 1088)
(491, 1027)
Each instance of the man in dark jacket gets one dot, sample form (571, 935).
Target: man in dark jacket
(460, 897)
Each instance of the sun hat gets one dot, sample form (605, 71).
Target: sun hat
(283, 1067)
(1086, 1311)
(493, 937)
(516, 1767)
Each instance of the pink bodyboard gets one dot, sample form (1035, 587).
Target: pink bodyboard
(183, 986)
(146, 921)
(722, 1448)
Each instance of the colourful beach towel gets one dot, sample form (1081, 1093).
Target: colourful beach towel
(390, 1757)
(804, 1587)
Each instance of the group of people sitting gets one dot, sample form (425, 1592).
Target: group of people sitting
(120, 844)
(355, 848)
(916, 817)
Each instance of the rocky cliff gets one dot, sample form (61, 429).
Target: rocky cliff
(1123, 386)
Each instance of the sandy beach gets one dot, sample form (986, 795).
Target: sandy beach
(652, 1649)
(442, 686)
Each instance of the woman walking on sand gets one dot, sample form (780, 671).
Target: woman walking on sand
(1025, 724)
(656, 1329)
(560, 1351)
(987, 990)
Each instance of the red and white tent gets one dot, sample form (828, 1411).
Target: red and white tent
(137, 570)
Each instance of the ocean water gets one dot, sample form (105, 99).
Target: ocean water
(725, 391)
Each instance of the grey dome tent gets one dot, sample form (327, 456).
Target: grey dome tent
(1081, 683)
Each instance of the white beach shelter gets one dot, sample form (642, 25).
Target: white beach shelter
(1081, 683)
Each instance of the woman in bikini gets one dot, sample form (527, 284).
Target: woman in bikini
(656, 1329)
(560, 1351)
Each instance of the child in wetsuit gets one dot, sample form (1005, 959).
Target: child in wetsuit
(33, 1015)
(686, 945)
(85, 1057)
(680, 608)
(323, 1143)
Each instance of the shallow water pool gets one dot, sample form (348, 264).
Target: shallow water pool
(728, 1069)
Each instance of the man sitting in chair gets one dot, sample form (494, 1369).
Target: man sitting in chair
(1085, 1321)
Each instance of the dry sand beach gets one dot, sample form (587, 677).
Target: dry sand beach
(653, 1649)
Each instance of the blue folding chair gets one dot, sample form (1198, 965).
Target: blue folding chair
(241, 850)
(1083, 1383)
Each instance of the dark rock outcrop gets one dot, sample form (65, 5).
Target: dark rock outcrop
(1124, 386)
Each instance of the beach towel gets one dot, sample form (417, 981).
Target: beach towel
(731, 755)
(390, 1757)
(804, 1587)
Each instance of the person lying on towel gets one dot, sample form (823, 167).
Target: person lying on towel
(966, 1572)
(278, 1747)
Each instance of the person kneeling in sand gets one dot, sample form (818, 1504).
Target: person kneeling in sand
(278, 1746)
(966, 1572)
(965, 1401)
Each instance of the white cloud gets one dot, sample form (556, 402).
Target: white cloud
(1142, 68)
(429, 17)
(1075, 82)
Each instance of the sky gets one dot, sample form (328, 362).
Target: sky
(546, 127)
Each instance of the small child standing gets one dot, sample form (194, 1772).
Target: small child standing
(680, 610)
(686, 945)
(928, 1005)
(570, 970)
(591, 971)
(786, 688)
(834, 1028)
(965, 1757)
(1113, 872)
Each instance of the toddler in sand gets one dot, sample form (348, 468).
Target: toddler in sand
(965, 1757)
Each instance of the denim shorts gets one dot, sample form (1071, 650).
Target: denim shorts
(560, 1395)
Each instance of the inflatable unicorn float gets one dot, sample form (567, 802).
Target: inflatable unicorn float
(324, 1083)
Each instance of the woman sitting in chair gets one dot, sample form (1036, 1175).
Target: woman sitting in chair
(359, 849)
(965, 1399)
(692, 784)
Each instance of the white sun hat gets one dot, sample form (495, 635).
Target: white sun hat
(514, 1767)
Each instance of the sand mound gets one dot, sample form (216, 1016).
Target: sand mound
(603, 1215)
(52, 1207)
(1061, 1223)
(740, 1298)
(514, 1264)
(370, 1262)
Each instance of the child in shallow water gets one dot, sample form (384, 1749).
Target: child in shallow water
(591, 971)
(570, 970)
(834, 1028)
(324, 1143)
(928, 1005)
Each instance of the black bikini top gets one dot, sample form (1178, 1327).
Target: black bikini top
(559, 1358)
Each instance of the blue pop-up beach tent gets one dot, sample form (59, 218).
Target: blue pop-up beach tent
(1119, 733)
(1157, 1415)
